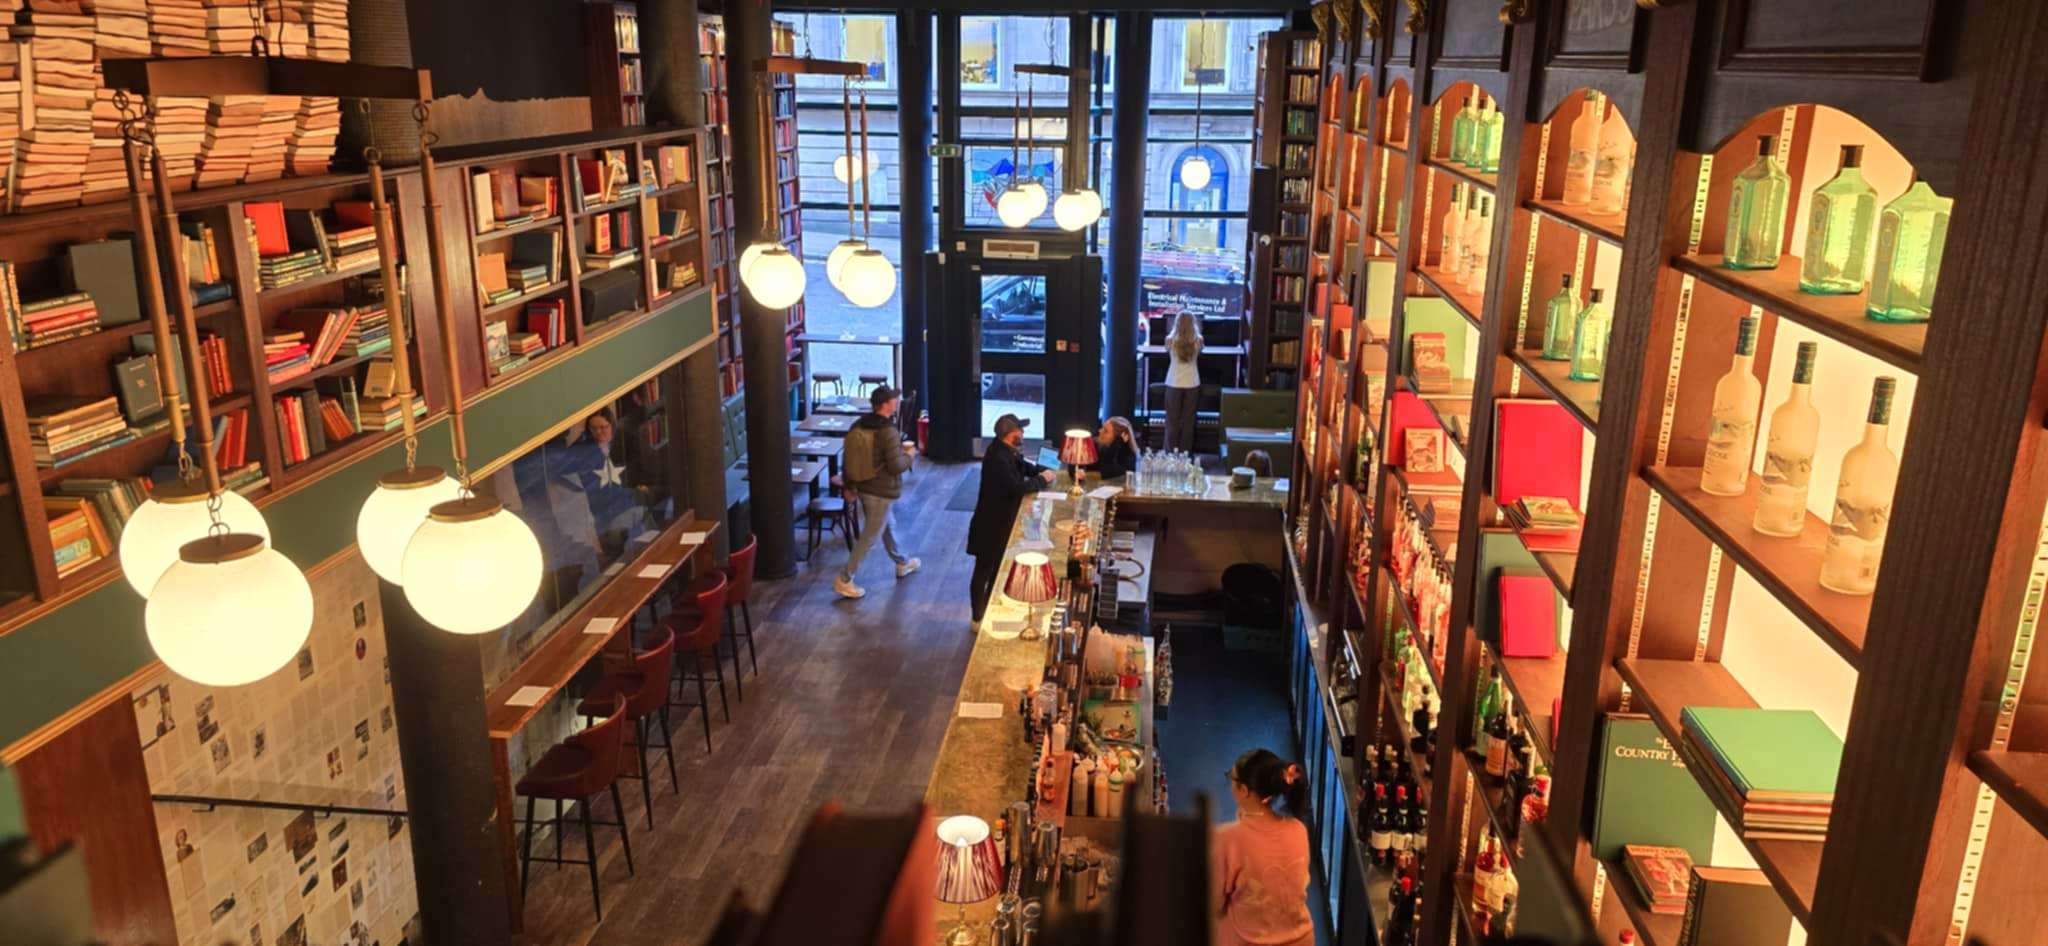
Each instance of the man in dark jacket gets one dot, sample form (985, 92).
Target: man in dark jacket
(875, 461)
(1006, 478)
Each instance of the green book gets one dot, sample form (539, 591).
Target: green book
(1729, 906)
(1769, 755)
(1646, 796)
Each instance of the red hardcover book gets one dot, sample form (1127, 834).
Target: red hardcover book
(1528, 616)
(68, 318)
(601, 233)
(1538, 451)
(1409, 411)
(591, 174)
(351, 214)
(270, 230)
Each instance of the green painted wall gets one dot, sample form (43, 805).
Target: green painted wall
(57, 662)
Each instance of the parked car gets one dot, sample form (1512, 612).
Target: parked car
(1013, 313)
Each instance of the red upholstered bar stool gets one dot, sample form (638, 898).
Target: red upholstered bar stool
(578, 770)
(698, 630)
(640, 693)
(738, 572)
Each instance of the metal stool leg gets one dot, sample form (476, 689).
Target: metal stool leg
(703, 703)
(748, 614)
(526, 851)
(625, 839)
(668, 750)
(590, 851)
(719, 669)
(646, 784)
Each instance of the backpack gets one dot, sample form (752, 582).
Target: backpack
(859, 456)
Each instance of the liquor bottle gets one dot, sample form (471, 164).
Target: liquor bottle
(1384, 770)
(1497, 740)
(1489, 697)
(1627, 938)
(1371, 769)
(1838, 225)
(1454, 232)
(1478, 246)
(1559, 317)
(1788, 454)
(1756, 212)
(1732, 438)
(1863, 503)
(1475, 156)
(1418, 824)
(1400, 835)
(1612, 164)
(1482, 868)
(1464, 128)
(1494, 129)
(1910, 234)
(1420, 721)
(1380, 834)
(1470, 235)
(1585, 146)
(1398, 897)
(1589, 340)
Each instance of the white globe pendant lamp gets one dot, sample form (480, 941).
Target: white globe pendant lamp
(1077, 210)
(835, 263)
(869, 279)
(174, 514)
(846, 169)
(394, 511)
(776, 280)
(752, 253)
(230, 612)
(1039, 198)
(1195, 173)
(1013, 208)
(471, 567)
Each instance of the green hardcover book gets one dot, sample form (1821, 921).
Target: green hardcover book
(1646, 796)
(135, 383)
(1728, 906)
(1770, 755)
(105, 270)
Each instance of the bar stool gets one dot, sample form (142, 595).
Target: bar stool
(819, 379)
(577, 770)
(869, 381)
(738, 573)
(697, 632)
(641, 695)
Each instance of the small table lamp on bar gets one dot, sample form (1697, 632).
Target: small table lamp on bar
(1030, 581)
(1077, 452)
(969, 869)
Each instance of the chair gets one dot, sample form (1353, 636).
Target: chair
(839, 512)
(577, 770)
(640, 693)
(819, 379)
(698, 629)
(869, 382)
(738, 573)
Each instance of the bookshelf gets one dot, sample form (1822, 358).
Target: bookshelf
(722, 238)
(1287, 122)
(783, 114)
(618, 90)
(1668, 597)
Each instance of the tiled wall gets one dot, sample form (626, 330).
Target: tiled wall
(320, 731)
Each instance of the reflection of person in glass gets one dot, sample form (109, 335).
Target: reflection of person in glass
(614, 481)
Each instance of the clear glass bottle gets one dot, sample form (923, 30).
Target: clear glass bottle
(1479, 247)
(1494, 130)
(1838, 225)
(1863, 503)
(1612, 164)
(1589, 340)
(1732, 439)
(1454, 231)
(1910, 234)
(1756, 211)
(1482, 126)
(1585, 146)
(1464, 128)
(1560, 319)
(1788, 454)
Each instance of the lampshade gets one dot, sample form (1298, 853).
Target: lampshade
(970, 870)
(776, 279)
(1079, 448)
(394, 511)
(229, 612)
(1039, 198)
(174, 515)
(1194, 173)
(1014, 207)
(835, 263)
(869, 279)
(1077, 210)
(750, 254)
(848, 168)
(1030, 580)
(471, 567)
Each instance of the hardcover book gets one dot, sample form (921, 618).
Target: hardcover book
(1728, 906)
(1538, 450)
(135, 383)
(1528, 616)
(1769, 755)
(1646, 796)
(105, 270)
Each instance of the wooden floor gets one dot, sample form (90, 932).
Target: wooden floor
(850, 705)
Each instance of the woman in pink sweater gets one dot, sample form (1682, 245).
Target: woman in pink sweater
(1261, 859)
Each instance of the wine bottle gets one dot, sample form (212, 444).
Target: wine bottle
(1453, 246)
(1910, 234)
(1482, 710)
(1419, 720)
(1585, 146)
(1838, 225)
(1863, 503)
(1479, 247)
(1589, 340)
(1497, 740)
(1482, 868)
(1464, 128)
(1612, 164)
(1380, 836)
(1756, 211)
(1788, 454)
(1494, 130)
(1559, 318)
(1400, 836)
(1732, 438)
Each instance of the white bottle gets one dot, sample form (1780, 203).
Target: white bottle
(1737, 398)
(1585, 146)
(1099, 800)
(1863, 503)
(1454, 226)
(1478, 246)
(1788, 454)
(1611, 165)
(1077, 798)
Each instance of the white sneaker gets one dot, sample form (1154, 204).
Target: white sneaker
(907, 567)
(847, 589)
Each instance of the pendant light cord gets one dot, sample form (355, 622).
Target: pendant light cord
(1204, 24)
(1016, 134)
(1030, 118)
(394, 296)
(846, 116)
(437, 258)
(138, 142)
(866, 209)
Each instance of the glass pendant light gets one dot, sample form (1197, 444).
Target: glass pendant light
(1195, 172)
(470, 567)
(1077, 208)
(770, 273)
(869, 279)
(1013, 206)
(835, 263)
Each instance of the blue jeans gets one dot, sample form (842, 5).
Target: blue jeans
(875, 520)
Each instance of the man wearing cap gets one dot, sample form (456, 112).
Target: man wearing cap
(1006, 478)
(876, 459)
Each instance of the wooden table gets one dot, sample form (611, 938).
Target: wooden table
(841, 405)
(550, 667)
(834, 424)
(805, 473)
(828, 449)
(893, 342)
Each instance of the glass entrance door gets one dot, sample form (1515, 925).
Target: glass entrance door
(1033, 354)
(1012, 332)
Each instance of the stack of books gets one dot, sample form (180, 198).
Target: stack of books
(1774, 770)
(315, 127)
(178, 28)
(368, 335)
(548, 319)
(180, 123)
(230, 29)
(77, 536)
(273, 131)
(1662, 875)
(277, 272)
(65, 428)
(115, 500)
(286, 355)
(525, 277)
(327, 327)
(526, 344)
(230, 134)
(542, 248)
(55, 53)
(1542, 515)
(10, 101)
(49, 321)
(353, 247)
(388, 413)
(327, 21)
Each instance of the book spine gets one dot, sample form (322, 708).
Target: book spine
(1695, 901)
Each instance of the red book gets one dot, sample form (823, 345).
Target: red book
(1409, 411)
(270, 230)
(66, 318)
(1538, 451)
(353, 214)
(1528, 616)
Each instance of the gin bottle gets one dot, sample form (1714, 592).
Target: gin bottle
(1612, 163)
(1788, 454)
(1756, 212)
(1589, 340)
(1559, 316)
(1863, 503)
(1585, 146)
(1732, 439)
(1838, 225)
(1482, 126)
(1478, 246)
(1491, 133)
(1464, 128)
(1454, 232)
(1910, 233)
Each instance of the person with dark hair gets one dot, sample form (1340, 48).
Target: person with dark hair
(876, 460)
(1116, 449)
(1261, 859)
(1259, 462)
(1006, 478)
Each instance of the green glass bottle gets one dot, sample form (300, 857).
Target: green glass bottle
(1561, 318)
(1838, 226)
(1482, 130)
(1496, 125)
(1756, 212)
(1490, 698)
(1463, 128)
(1589, 340)
(1910, 233)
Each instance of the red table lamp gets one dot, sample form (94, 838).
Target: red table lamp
(1030, 581)
(969, 869)
(1078, 451)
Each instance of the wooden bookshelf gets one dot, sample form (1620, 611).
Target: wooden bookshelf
(723, 250)
(1287, 120)
(618, 89)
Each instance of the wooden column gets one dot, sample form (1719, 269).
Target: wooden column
(1132, 84)
(670, 72)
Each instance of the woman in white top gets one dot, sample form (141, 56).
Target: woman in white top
(1183, 382)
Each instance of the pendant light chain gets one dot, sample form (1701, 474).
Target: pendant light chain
(1204, 24)
(437, 258)
(1030, 121)
(846, 115)
(394, 295)
(259, 45)
(138, 136)
(866, 208)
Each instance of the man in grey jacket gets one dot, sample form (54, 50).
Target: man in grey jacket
(875, 461)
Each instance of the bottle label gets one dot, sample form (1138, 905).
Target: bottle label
(1781, 499)
(1399, 842)
(1496, 755)
(1855, 546)
(1381, 839)
(1728, 444)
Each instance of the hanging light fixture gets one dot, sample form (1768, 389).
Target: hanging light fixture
(835, 263)
(1077, 207)
(1033, 188)
(228, 610)
(869, 279)
(1013, 206)
(471, 566)
(772, 274)
(1195, 172)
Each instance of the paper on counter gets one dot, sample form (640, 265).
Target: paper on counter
(694, 538)
(600, 625)
(1054, 495)
(981, 711)
(527, 696)
(1104, 492)
(655, 571)
(1280, 485)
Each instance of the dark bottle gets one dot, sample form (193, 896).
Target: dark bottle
(1371, 770)
(1497, 741)
(1422, 724)
(1381, 834)
(1384, 771)
(1399, 898)
(1401, 834)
